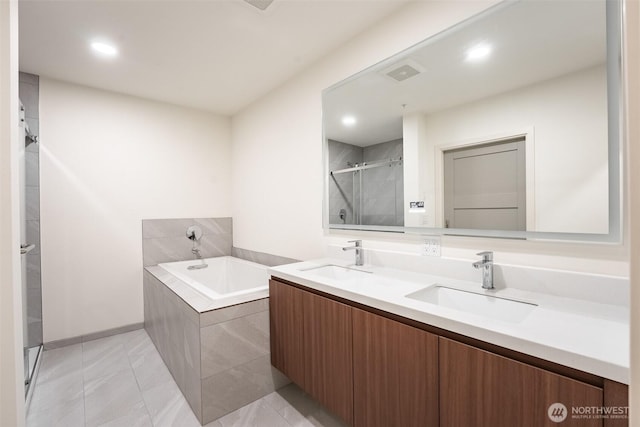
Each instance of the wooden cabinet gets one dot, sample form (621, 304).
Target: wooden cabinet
(478, 388)
(328, 354)
(374, 369)
(285, 324)
(395, 373)
(311, 343)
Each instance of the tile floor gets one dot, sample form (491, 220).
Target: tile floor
(122, 381)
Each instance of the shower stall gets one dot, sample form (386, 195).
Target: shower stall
(366, 184)
(30, 226)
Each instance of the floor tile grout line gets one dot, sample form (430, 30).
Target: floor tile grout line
(135, 376)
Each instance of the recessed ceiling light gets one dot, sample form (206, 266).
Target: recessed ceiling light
(104, 49)
(348, 120)
(478, 52)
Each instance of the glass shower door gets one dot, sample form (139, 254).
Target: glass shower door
(29, 251)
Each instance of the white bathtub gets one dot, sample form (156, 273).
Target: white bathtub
(225, 278)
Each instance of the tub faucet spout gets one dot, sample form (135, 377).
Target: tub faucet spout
(196, 252)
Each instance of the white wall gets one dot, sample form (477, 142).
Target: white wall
(567, 116)
(11, 328)
(107, 161)
(277, 150)
(277, 158)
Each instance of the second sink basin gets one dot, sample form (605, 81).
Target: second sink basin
(470, 302)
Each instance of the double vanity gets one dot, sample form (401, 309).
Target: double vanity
(384, 347)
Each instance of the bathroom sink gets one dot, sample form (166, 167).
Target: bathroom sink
(492, 306)
(337, 272)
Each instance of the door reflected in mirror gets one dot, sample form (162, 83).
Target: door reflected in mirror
(505, 122)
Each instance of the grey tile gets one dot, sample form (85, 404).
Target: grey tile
(256, 414)
(239, 310)
(299, 409)
(66, 342)
(104, 357)
(33, 235)
(192, 385)
(112, 332)
(34, 276)
(63, 391)
(213, 226)
(137, 416)
(60, 362)
(29, 78)
(215, 245)
(165, 249)
(35, 333)
(383, 151)
(340, 154)
(320, 418)
(227, 391)
(154, 228)
(148, 366)
(32, 170)
(168, 407)
(32, 202)
(235, 342)
(68, 414)
(112, 396)
(29, 96)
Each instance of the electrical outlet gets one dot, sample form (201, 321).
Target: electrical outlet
(431, 246)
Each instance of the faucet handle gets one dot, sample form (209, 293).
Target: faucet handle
(357, 242)
(486, 255)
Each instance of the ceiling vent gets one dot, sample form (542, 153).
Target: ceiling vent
(260, 4)
(403, 70)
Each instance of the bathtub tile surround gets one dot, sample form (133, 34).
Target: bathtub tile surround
(170, 323)
(164, 240)
(219, 358)
(217, 349)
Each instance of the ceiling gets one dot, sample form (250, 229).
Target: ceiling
(532, 41)
(214, 55)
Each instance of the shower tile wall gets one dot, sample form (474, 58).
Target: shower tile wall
(341, 190)
(29, 95)
(382, 188)
(164, 240)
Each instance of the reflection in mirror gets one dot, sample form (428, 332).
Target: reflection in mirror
(504, 123)
(365, 186)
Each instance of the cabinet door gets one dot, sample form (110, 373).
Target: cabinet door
(328, 352)
(482, 389)
(395, 373)
(285, 319)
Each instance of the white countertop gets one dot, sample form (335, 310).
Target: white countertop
(583, 335)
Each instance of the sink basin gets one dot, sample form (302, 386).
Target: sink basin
(495, 307)
(338, 273)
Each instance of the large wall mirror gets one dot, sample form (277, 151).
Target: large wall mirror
(505, 125)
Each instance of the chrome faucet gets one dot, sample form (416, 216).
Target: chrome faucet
(487, 269)
(358, 248)
(196, 252)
